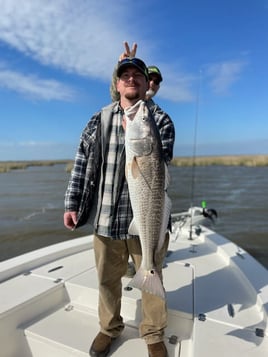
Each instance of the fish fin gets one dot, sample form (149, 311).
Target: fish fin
(167, 177)
(135, 170)
(165, 221)
(148, 281)
(133, 228)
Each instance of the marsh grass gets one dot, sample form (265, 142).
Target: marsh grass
(69, 166)
(6, 166)
(239, 160)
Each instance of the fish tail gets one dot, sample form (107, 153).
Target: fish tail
(148, 281)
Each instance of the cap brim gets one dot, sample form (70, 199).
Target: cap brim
(121, 69)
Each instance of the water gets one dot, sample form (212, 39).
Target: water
(31, 205)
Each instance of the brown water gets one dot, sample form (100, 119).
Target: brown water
(31, 205)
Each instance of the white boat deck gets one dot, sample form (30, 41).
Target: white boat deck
(217, 298)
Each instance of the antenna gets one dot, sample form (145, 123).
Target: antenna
(194, 151)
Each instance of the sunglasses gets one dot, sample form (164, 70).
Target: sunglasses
(156, 81)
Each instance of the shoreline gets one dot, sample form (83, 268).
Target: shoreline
(6, 166)
(225, 160)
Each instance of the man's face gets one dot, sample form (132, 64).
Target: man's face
(154, 82)
(132, 84)
(154, 85)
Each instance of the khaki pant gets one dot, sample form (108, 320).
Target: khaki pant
(111, 262)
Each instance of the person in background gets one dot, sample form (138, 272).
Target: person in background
(98, 192)
(155, 78)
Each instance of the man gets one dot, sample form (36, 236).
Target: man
(155, 76)
(98, 189)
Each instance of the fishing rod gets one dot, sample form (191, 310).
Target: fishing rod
(207, 213)
(194, 152)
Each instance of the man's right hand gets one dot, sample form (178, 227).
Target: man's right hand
(128, 52)
(70, 219)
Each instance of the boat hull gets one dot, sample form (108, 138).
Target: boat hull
(217, 298)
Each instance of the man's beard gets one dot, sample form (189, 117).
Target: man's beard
(131, 96)
(150, 93)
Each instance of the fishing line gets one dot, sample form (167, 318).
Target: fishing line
(194, 151)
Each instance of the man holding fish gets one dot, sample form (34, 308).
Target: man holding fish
(119, 183)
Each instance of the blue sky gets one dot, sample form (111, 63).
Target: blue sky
(57, 57)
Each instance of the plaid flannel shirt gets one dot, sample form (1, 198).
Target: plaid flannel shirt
(119, 214)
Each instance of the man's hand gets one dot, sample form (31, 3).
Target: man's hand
(128, 53)
(70, 219)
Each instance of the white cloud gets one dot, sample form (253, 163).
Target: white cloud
(85, 38)
(34, 87)
(80, 37)
(223, 75)
(33, 144)
(26, 144)
(178, 87)
(35, 150)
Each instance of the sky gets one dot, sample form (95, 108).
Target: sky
(57, 59)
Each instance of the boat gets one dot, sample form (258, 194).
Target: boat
(217, 298)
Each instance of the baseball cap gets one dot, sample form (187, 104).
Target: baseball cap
(134, 62)
(155, 70)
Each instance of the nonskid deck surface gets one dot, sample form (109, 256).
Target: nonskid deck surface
(53, 310)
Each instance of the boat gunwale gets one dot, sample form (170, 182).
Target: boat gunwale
(31, 260)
